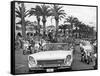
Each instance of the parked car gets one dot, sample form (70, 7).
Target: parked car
(55, 57)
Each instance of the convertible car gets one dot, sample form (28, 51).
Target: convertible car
(56, 56)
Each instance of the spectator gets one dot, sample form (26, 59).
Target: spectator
(25, 46)
(36, 47)
(42, 44)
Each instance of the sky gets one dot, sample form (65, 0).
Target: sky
(86, 15)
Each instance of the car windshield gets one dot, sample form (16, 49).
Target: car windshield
(56, 46)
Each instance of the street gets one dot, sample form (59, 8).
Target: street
(22, 67)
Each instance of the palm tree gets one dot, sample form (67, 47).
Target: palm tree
(77, 28)
(84, 30)
(72, 20)
(36, 11)
(58, 14)
(37, 28)
(64, 27)
(21, 13)
(45, 12)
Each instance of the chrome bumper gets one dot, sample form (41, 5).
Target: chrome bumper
(48, 67)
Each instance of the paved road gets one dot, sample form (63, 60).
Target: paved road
(78, 65)
(22, 67)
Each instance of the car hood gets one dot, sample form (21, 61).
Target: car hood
(51, 55)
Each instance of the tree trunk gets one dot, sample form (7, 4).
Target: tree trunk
(71, 29)
(57, 26)
(44, 24)
(23, 23)
(44, 28)
(38, 20)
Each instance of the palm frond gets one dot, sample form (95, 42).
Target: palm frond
(35, 11)
(26, 13)
(58, 12)
(20, 22)
(18, 12)
(59, 8)
(45, 10)
(16, 9)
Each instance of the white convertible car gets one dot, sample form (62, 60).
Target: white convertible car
(59, 56)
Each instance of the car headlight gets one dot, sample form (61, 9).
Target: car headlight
(31, 60)
(68, 58)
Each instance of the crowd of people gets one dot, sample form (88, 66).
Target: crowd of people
(31, 44)
(89, 52)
